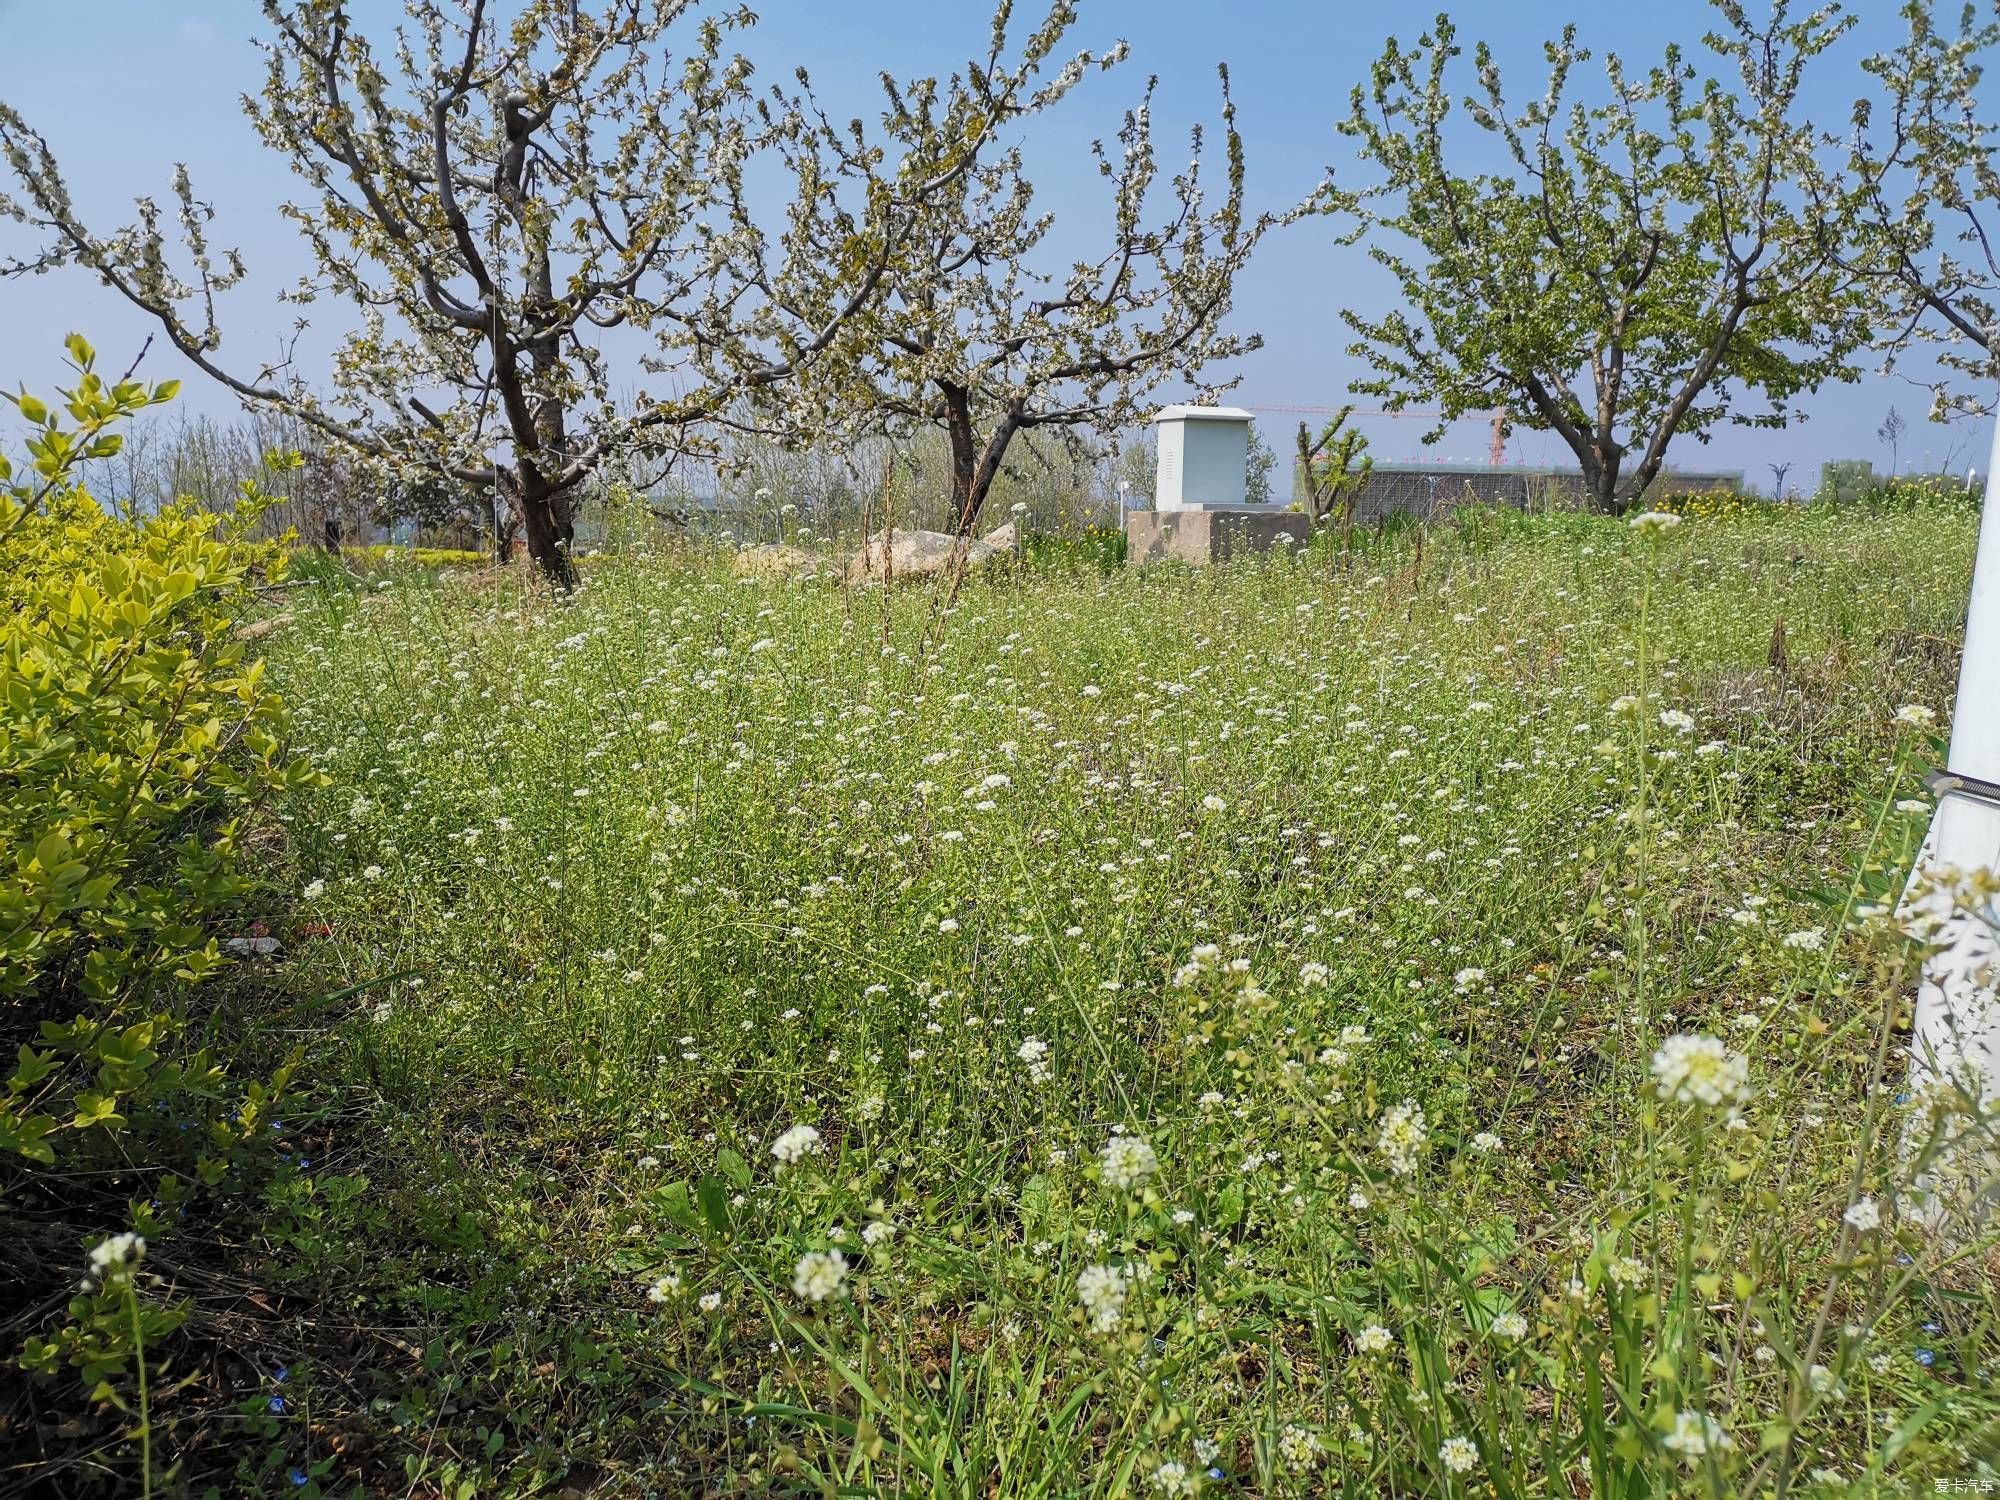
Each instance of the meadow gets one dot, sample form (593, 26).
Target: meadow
(1423, 1021)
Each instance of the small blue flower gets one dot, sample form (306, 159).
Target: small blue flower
(1215, 1473)
(1925, 1358)
(298, 1478)
(278, 1404)
(281, 1373)
(1930, 1328)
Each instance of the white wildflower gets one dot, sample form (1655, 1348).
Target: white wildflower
(1459, 1454)
(115, 1253)
(819, 1274)
(1102, 1291)
(1374, 1339)
(1864, 1214)
(796, 1144)
(1696, 1434)
(1035, 1053)
(1299, 1447)
(1693, 1069)
(1402, 1135)
(1128, 1162)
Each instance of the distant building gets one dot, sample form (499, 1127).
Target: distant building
(1846, 478)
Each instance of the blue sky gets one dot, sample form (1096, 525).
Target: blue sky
(125, 88)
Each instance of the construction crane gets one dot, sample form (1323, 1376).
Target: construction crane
(1496, 453)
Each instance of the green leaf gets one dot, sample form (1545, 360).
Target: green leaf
(93, 1108)
(677, 1203)
(24, 1137)
(1034, 1199)
(712, 1193)
(734, 1167)
(1911, 1426)
(31, 1067)
(52, 851)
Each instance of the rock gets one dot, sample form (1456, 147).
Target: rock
(1003, 538)
(772, 560)
(914, 554)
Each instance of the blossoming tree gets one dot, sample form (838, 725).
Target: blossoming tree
(490, 198)
(984, 333)
(1925, 182)
(1635, 268)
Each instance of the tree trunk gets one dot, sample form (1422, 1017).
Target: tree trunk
(549, 513)
(973, 467)
(966, 498)
(545, 524)
(1600, 478)
(547, 544)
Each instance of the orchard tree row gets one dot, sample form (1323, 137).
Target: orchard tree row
(539, 224)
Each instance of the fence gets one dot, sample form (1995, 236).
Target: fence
(1428, 491)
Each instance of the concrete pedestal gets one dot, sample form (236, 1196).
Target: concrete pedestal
(1211, 534)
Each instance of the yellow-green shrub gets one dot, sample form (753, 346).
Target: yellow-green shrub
(137, 743)
(419, 557)
(1709, 505)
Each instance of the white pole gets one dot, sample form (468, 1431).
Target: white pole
(1975, 724)
(1957, 1033)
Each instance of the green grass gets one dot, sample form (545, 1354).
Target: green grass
(617, 890)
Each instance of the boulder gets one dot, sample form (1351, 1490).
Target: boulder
(913, 554)
(1004, 538)
(772, 560)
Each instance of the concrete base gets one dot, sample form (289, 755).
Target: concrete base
(1211, 534)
